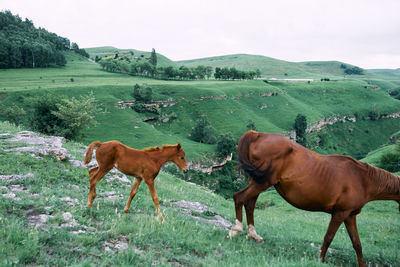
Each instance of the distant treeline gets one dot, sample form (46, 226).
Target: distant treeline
(24, 46)
(352, 70)
(145, 68)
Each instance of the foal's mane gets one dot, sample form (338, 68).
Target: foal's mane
(157, 148)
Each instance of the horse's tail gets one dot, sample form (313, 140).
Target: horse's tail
(244, 155)
(89, 151)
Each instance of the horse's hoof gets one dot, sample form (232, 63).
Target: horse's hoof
(236, 229)
(234, 232)
(161, 219)
(252, 234)
(256, 238)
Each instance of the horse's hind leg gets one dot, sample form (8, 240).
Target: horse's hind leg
(95, 177)
(336, 221)
(135, 187)
(251, 230)
(351, 227)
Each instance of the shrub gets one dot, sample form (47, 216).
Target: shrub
(13, 113)
(142, 95)
(203, 132)
(76, 115)
(226, 144)
(53, 115)
(390, 161)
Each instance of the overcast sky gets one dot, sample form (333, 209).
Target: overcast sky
(365, 33)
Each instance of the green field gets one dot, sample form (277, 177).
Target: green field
(184, 241)
(74, 235)
(228, 105)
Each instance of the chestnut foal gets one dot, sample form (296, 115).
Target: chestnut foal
(142, 164)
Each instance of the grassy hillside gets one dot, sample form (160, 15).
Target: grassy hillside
(228, 105)
(104, 51)
(74, 235)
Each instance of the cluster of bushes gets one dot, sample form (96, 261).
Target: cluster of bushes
(24, 46)
(234, 74)
(54, 115)
(395, 93)
(352, 70)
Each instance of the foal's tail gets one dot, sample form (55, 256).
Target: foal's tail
(89, 151)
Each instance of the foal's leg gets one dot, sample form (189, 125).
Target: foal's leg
(95, 177)
(150, 185)
(135, 187)
(336, 221)
(251, 230)
(240, 198)
(351, 227)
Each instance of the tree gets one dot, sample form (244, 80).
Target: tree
(153, 58)
(76, 115)
(53, 115)
(226, 144)
(137, 94)
(300, 126)
(203, 132)
(251, 125)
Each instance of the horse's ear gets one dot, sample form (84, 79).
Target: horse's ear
(178, 146)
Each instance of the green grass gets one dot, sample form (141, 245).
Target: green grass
(181, 240)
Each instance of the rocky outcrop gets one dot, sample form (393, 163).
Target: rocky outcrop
(50, 145)
(210, 166)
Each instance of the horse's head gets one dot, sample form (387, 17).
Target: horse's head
(179, 158)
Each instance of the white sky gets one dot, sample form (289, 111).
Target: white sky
(365, 33)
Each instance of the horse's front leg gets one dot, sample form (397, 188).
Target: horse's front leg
(241, 198)
(251, 230)
(150, 185)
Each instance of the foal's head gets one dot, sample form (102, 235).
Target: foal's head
(179, 158)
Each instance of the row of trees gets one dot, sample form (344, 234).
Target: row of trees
(145, 68)
(234, 74)
(24, 46)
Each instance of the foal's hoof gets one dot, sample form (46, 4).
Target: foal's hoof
(161, 219)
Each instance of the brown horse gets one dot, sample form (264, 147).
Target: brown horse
(142, 164)
(338, 185)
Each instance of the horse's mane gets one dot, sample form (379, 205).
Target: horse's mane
(382, 179)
